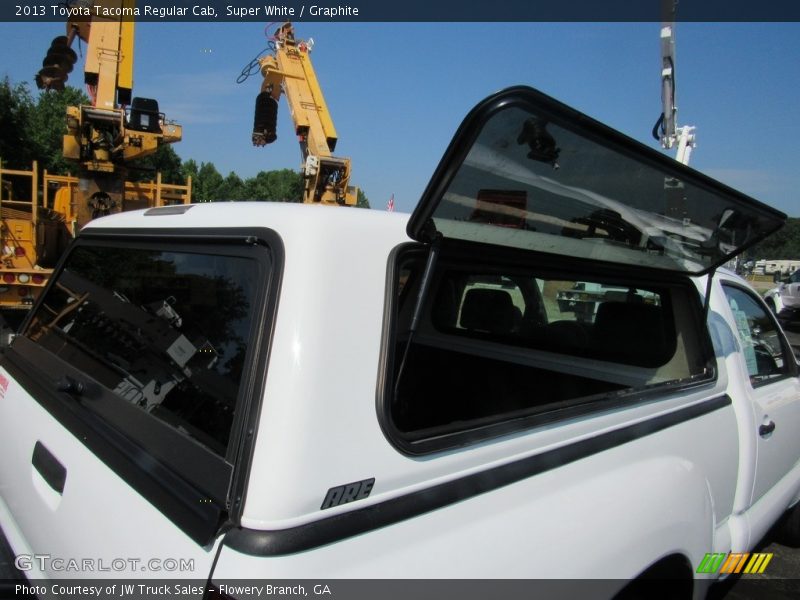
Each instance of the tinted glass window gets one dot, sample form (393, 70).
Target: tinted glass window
(497, 344)
(611, 322)
(759, 335)
(540, 176)
(166, 331)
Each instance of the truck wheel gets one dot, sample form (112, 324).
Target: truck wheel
(771, 304)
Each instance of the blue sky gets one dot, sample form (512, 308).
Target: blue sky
(397, 91)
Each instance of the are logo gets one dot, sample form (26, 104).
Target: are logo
(342, 494)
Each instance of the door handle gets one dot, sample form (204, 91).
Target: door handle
(47, 465)
(766, 429)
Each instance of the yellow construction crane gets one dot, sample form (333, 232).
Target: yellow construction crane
(102, 137)
(116, 127)
(288, 70)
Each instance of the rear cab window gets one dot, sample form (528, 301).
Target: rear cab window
(149, 343)
(165, 331)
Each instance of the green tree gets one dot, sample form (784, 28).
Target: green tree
(189, 169)
(284, 185)
(47, 126)
(363, 201)
(208, 184)
(16, 105)
(232, 188)
(784, 244)
(165, 160)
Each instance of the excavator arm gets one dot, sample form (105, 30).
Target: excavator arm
(289, 71)
(102, 137)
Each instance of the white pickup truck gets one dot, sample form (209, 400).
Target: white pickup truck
(784, 299)
(264, 391)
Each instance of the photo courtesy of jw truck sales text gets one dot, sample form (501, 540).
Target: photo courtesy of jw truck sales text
(207, 399)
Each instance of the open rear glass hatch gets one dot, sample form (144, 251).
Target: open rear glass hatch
(526, 171)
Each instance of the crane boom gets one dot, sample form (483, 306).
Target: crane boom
(102, 137)
(289, 71)
(666, 129)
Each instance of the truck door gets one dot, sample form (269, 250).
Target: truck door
(773, 384)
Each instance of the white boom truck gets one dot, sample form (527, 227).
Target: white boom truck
(414, 404)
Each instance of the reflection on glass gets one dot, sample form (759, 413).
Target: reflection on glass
(542, 186)
(166, 331)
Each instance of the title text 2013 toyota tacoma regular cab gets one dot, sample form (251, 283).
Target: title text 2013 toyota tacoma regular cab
(281, 391)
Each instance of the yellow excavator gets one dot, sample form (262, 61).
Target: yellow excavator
(101, 138)
(116, 127)
(288, 70)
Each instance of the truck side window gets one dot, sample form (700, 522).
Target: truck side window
(761, 341)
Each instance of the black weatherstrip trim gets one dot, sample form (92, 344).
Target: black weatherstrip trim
(332, 529)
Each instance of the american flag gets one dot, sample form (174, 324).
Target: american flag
(390, 204)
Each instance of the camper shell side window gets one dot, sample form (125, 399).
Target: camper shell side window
(506, 343)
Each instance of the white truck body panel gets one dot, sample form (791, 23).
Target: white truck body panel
(41, 522)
